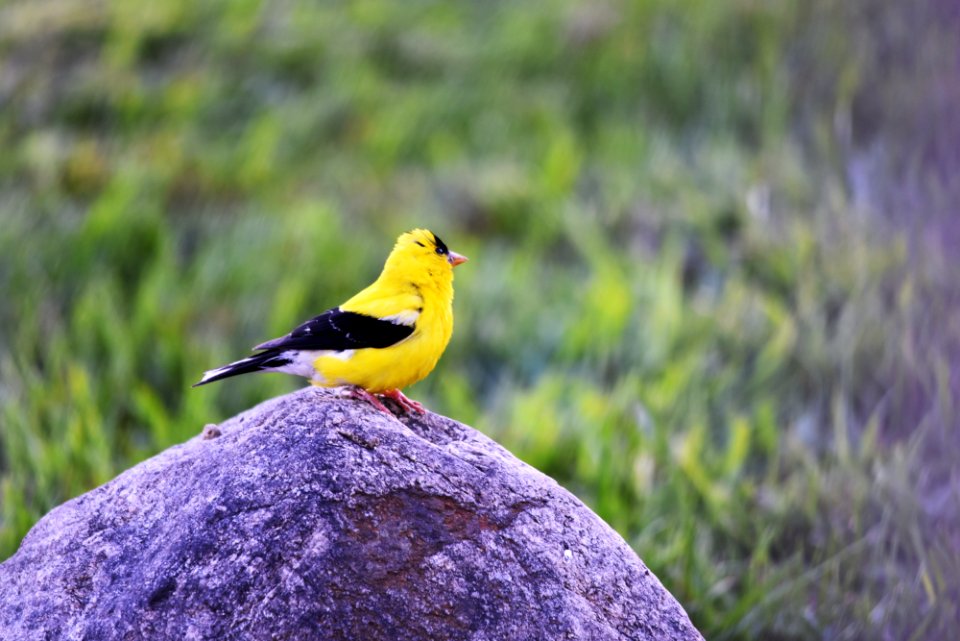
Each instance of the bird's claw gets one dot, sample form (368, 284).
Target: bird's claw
(405, 403)
(361, 394)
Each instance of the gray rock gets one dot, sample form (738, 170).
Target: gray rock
(314, 517)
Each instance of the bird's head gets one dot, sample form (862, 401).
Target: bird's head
(421, 256)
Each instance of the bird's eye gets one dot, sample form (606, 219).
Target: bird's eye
(441, 251)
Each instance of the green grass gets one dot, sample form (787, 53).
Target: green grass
(712, 286)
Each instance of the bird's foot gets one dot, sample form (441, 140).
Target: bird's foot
(406, 404)
(361, 394)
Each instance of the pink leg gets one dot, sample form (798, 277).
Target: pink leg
(404, 402)
(363, 395)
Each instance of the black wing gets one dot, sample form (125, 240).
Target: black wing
(339, 330)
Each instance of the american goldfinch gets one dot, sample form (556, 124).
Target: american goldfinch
(385, 338)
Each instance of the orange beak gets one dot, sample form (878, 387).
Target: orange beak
(455, 259)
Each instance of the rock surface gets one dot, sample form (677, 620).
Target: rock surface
(313, 517)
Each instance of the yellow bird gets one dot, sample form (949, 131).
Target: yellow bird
(385, 338)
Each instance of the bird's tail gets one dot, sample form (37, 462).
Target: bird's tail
(264, 361)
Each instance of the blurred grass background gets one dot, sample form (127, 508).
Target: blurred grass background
(713, 285)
